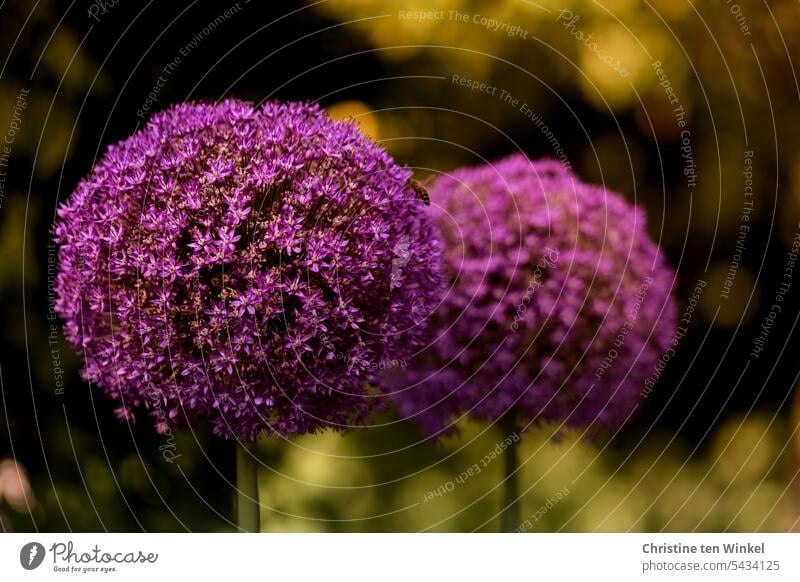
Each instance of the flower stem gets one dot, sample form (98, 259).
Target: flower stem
(247, 506)
(510, 512)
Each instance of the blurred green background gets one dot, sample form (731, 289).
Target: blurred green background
(715, 447)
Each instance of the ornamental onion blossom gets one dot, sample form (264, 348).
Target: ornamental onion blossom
(560, 304)
(235, 263)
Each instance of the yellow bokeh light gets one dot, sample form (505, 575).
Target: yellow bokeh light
(358, 112)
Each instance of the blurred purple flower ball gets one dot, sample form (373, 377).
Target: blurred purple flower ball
(559, 309)
(239, 263)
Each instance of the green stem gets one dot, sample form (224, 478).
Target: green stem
(510, 515)
(247, 506)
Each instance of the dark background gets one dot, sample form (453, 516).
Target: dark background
(718, 430)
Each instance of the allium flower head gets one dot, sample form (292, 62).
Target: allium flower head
(235, 262)
(560, 304)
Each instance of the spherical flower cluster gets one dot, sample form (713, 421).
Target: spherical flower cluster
(247, 265)
(559, 308)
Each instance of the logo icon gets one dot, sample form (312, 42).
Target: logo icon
(31, 555)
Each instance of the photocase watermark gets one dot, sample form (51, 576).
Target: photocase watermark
(687, 152)
(511, 30)
(622, 334)
(569, 20)
(100, 8)
(421, 15)
(95, 560)
(31, 555)
(545, 264)
(527, 111)
(385, 364)
(400, 257)
(680, 333)
(183, 52)
(664, 83)
(491, 24)
(760, 341)
(52, 322)
(739, 17)
(744, 226)
(540, 124)
(66, 559)
(14, 125)
(474, 85)
(353, 361)
(551, 502)
(168, 448)
(473, 470)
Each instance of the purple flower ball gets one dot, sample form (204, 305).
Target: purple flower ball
(559, 309)
(248, 265)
